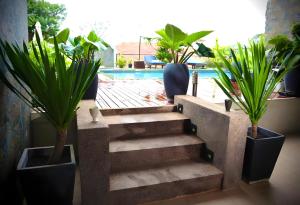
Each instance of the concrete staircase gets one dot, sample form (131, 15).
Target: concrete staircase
(156, 156)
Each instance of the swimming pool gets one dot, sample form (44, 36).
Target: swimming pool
(125, 74)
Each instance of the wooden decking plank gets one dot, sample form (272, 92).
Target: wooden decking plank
(110, 103)
(99, 95)
(128, 98)
(136, 96)
(114, 98)
(140, 97)
(133, 97)
(101, 101)
(145, 89)
(125, 99)
(154, 92)
(153, 97)
(98, 104)
(132, 102)
(129, 94)
(136, 93)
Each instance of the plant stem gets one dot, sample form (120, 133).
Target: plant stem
(59, 146)
(183, 55)
(254, 130)
(174, 56)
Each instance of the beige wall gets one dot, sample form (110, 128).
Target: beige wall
(283, 115)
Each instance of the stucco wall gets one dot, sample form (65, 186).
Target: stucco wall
(281, 15)
(14, 115)
(283, 116)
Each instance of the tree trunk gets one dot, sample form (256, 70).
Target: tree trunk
(254, 130)
(59, 146)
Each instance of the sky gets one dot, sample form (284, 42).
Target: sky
(125, 20)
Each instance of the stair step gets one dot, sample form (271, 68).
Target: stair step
(163, 182)
(153, 142)
(127, 126)
(138, 110)
(153, 150)
(139, 118)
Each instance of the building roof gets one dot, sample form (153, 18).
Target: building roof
(133, 48)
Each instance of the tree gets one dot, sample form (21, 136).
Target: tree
(49, 15)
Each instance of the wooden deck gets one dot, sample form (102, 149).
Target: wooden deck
(130, 94)
(119, 94)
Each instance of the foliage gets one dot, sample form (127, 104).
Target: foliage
(224, 50)
(281, 43)
(255, 77)
(49, 15)
(258, 37)
(82, 48)
(121, 61)
(284, 46)
(163, 54)
(48, 86)
(47, 46)
(179, 44)
(296, 31)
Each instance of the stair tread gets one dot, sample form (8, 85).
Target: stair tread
(170, 172)
(140, 118)
(138, 110)
(153, 142)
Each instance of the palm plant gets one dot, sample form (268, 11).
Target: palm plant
(50, 88)
(253, 70)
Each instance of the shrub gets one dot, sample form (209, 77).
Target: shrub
(121, 62)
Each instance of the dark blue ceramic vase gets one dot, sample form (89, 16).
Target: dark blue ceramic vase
(91, 92)
(176, 80)
(292, 82)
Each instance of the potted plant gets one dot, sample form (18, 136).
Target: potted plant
(82, 49)
(180, 45)
(130, 63)
(283, 45)
(53, 89)
(121, 61)
(256, 78)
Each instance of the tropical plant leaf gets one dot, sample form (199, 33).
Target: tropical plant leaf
(93, 37)
(174, 33)
(191, 38)
(61, 37)
(204, 51)
(177, 43)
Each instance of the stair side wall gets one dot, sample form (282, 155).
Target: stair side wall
(94, 162)
(223, 132)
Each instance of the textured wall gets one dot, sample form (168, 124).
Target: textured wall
(14, 115)
(279, 109)
(280, 16)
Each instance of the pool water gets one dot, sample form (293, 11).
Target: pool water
(150, 74)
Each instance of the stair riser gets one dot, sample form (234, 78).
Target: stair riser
(122, 161)
(165, 191)
(138, 110)
(126, 131)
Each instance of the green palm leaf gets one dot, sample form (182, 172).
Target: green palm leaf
(253, 70)
(53, 89)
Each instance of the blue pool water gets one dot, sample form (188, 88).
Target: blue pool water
(149, 74)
